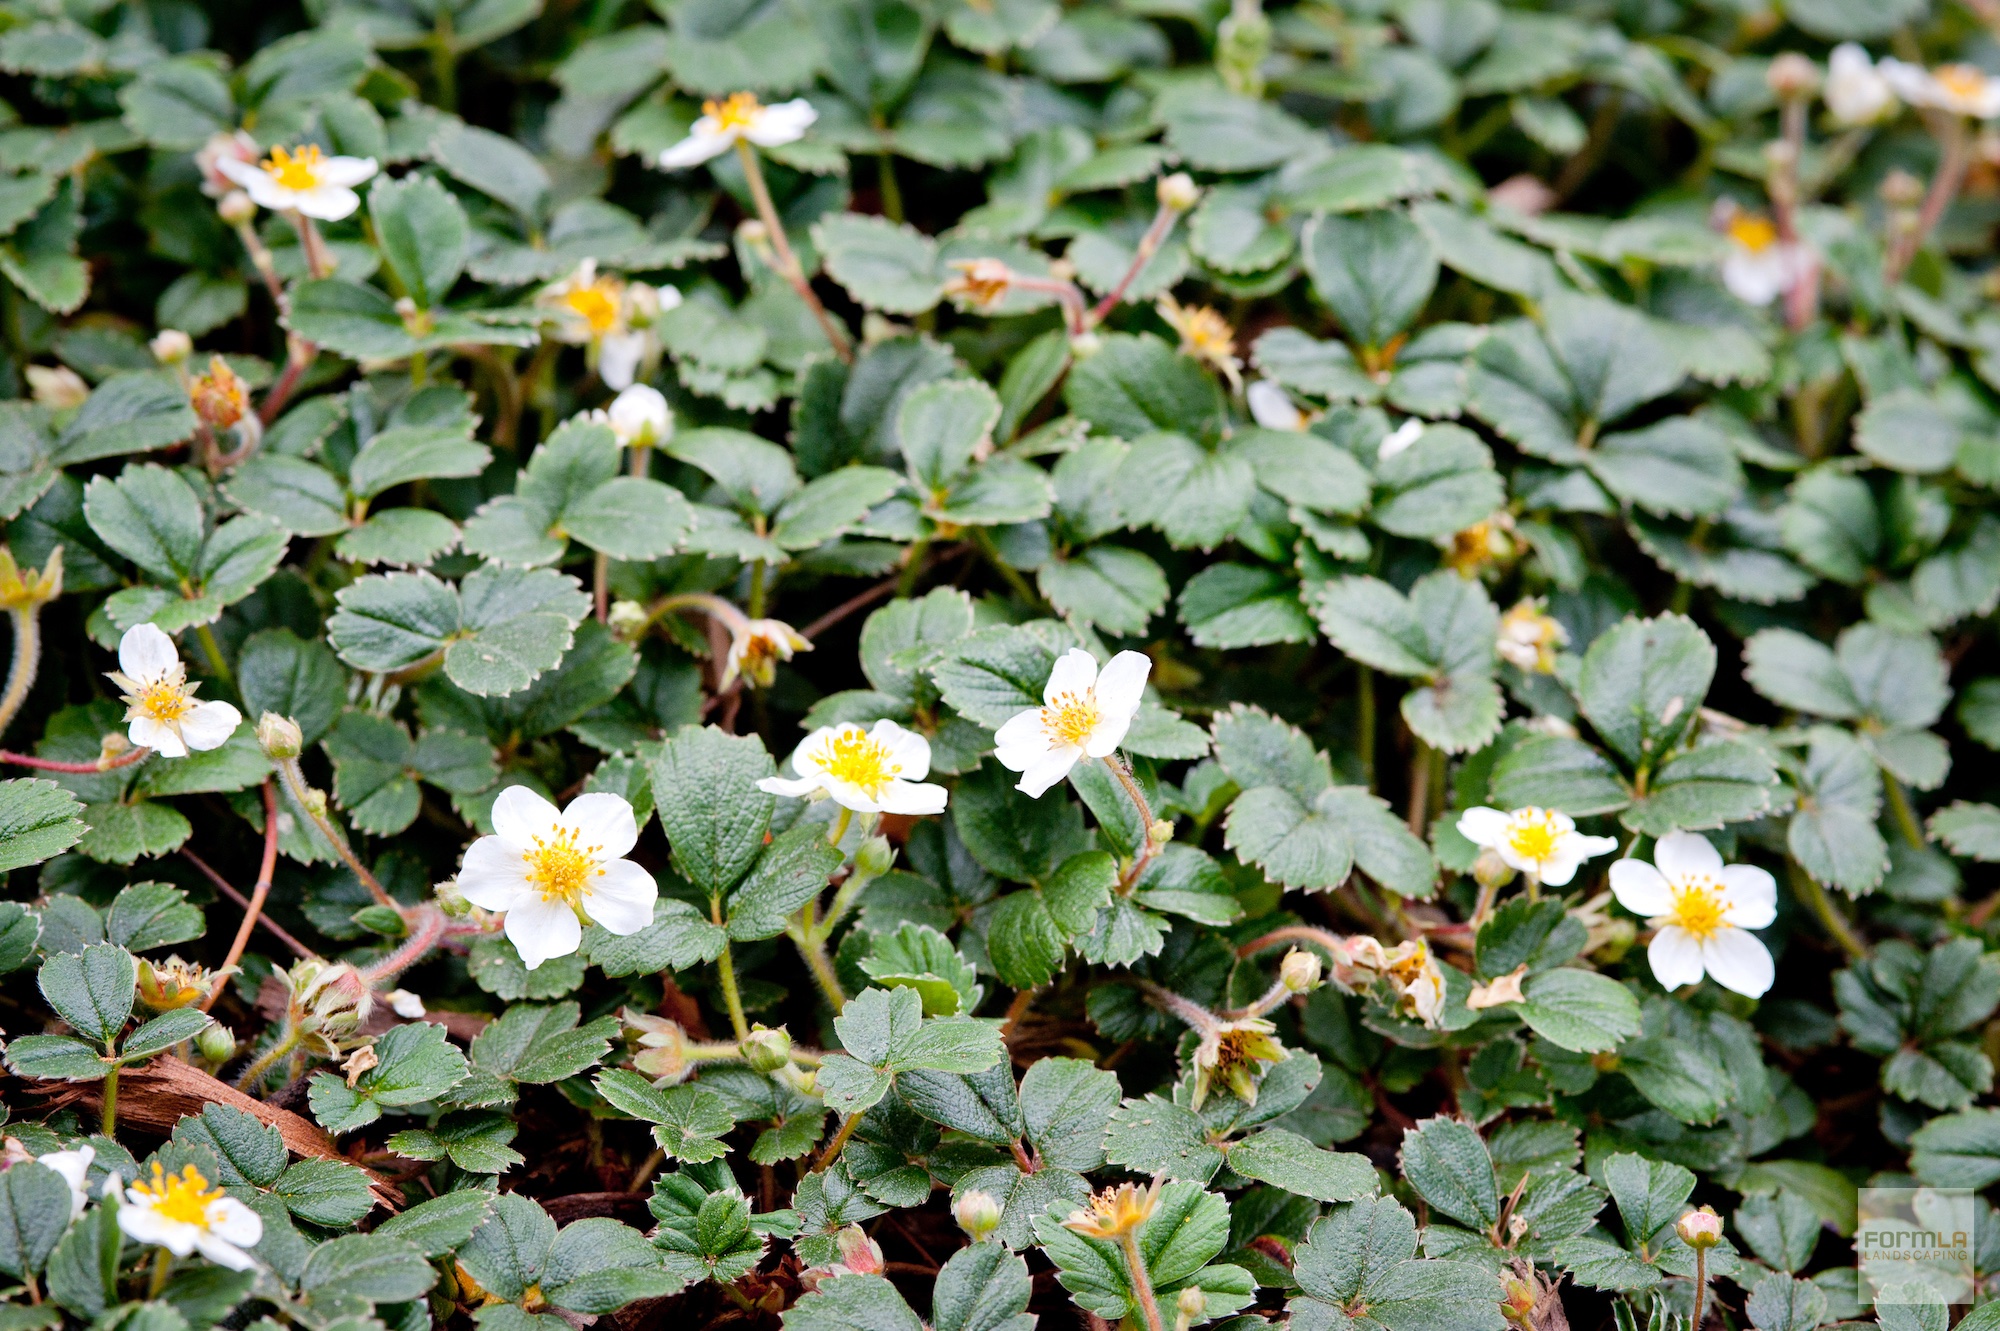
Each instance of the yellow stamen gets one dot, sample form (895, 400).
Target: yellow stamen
(597, 304)
(559, 868)
(740, 112)
(861, 761)
(1533, 836)
(1962, 81)
(1753, 232)
(184, 1197)
(1070, 717)
(165, 701)
(294, 170)
(1699, 906)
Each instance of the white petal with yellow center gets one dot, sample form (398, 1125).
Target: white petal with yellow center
(549, 871)
(879, 770)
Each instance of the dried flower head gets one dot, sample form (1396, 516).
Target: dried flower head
(1115, 1212)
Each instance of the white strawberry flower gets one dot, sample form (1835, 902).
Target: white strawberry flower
(1084, 714)
(184, 1214)
(1965, 90)
(1541, 842)
(640, 417)
(301, 181)
(1855, 92)
(741, 117)
(160, 705)
(551, 872)
(1760, 266)
(879, 770)
(1702, 911)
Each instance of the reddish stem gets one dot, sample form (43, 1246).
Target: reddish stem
(276, 931)
(262, 890)
(81, 769)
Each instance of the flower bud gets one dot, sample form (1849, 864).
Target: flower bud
(172, 346)
(640, 417)
(216, 1043)
(1178, 191)
(56, 386)
(977, 1214)
(626, 620)
(1900, 189)
(1792, 75)
(451, 902)
(766, 1050)
(1300, 971)
(1191, 1303)
(236, 208)
(859, 1254)
(1700, 1228)
(279, 736)
(1085, 345)
(1490, 871)
(875, 858)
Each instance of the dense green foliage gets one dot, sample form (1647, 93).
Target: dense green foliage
(1205, 664)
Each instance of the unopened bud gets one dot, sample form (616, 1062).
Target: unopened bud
(977, 1214)
(1161, 831)
(766, 1050)
(859, 1254)
(1700, 1228)
(1792, 76)
(280, 736)
(1178, 191)
(172, 346)
(1191, 1304)
(236, 208)
(1490, 871)
(1900, 189)
(56, 386)
(626, 620)
(216, 1043)
(875, 858)
(451, 901)
(1300, 971)
(1085, 345)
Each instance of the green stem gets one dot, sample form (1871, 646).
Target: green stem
(1815, 899)
(1906, 817)
(1420, 788)
(27, 660)
(444, 61)
(1142, 1280)
(313, 803)
(813, 949)
(1148, 847)
(1364, 692)
(914, 569)
(163, 1268)
(110, 1121)
(754, 604)
(833, 1148)
(1700, 1288)
(213, 651)
(248, 1079)
(725, 974)
(1012, 576)
(892, 193)
(840, 826)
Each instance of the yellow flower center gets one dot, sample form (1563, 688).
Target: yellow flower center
(165, 701)
(1699, 905)
(1070, 718)
(1533, 835)
(560, 868)
(1206, 333)
(184, 1197)
(1961, 81)
(739, 113)
(597, 304)
(862, 762)
(294, 170)
(1752, 232)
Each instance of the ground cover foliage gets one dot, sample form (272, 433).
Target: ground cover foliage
(920, 665)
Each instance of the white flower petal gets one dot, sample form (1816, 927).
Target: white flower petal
(602, 820)
(1272, 407)
(242, 172)
(143, 1224)
(1675, 957)
(621, 898)
(809, 759)
(493, 876)
(146, 654)
(328, 203)
(798, 790)
(1739, 960)
(848, 795)
(695, 149)
(1561, 865)
(618, 357)
(1641, 888)
(1022, 742)
(223, 1254)
(1047, 770)
(1685, 855)
(1121, 686)
(787, 122)
(161, 738)
(907, 749)
(1753, 896)
(233, 1222)
(268, 193)
(542, 930)
(1075, 672)
(913, 797)
(346, 170)
(209, 725)
(520, 815)
(1483, 826)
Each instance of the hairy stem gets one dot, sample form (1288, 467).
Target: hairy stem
(790, 270)
(258, 893)
(314, 805)
(1700, 1288)
(27, 660)
(125, 759)
(110, 1119)
(1142, 1280)
(260, 1067)
(812, 947)
(1194, 1014)
(1906, 817)
(725, 974)
(1148, 846)
(834, 1147)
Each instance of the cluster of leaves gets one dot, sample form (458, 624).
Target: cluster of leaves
(1473, 258)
